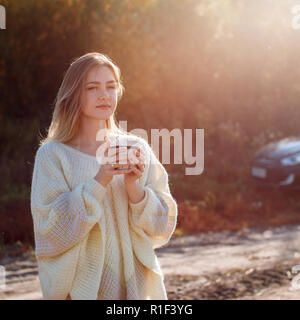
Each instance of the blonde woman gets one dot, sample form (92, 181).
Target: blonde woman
(97, 219)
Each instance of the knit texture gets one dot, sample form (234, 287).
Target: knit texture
(91, 241)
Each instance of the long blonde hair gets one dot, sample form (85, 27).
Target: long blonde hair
(66, 115)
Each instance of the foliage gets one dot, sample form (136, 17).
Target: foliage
(229, 67)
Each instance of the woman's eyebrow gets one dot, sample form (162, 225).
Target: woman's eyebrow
(98, 82)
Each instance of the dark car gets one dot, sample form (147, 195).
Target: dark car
(278, 164)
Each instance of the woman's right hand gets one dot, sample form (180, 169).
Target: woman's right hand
(109, 166)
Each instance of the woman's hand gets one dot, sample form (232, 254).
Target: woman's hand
(109, 167)
(137, 169)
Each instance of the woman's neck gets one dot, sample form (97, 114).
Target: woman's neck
(88, 135)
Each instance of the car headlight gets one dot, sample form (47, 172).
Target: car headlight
(291, 160)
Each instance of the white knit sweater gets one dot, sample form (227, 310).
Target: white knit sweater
(91, 242)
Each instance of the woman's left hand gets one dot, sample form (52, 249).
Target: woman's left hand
(138, 167)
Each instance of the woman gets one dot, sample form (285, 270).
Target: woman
(96, 221)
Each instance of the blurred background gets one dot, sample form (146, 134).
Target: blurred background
(230, 67)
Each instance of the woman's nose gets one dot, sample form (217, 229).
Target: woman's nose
(103, 93)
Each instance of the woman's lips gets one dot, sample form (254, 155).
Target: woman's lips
(103, 107)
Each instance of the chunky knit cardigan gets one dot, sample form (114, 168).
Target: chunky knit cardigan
(91, 241)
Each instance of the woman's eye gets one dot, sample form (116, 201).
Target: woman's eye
(91, 88)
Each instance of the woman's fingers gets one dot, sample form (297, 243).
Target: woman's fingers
(142, 160)
(137, 152)
(116, 169)
(127, 159)
(141, 151)
(122, 159)
(120, 171)
(114, 151)
(141, 167)
(115, 160)
(137, 171)
(119, 157)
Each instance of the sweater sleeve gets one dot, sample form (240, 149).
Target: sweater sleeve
(61, 217)
(155, 216)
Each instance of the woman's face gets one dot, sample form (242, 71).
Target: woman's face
(100, 88)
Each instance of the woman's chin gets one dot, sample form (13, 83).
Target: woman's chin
(104, 116)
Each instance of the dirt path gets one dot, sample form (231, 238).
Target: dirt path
(252, 264)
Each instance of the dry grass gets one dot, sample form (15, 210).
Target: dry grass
(260, 209)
